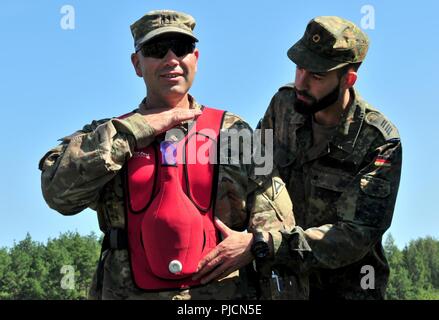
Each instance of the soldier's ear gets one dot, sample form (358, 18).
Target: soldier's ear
(197, 55)
(350, 79)
(136, 64)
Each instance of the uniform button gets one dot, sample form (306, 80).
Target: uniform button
(175, 266)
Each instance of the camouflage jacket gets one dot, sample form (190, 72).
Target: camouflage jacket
(344, 192)
(84, 171)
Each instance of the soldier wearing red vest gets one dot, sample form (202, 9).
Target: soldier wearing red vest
(156, 202)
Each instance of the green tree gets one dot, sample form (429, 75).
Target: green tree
(31, 270)
(400, 286)
(430, 249)
(421, 259)
(415, 263)
(414, 270)
(80, 253)
(5, 262)
(57, 256)
(27, 270)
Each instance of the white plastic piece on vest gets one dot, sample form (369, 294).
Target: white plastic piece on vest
(175, 266)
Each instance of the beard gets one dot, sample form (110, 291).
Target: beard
(316, 105)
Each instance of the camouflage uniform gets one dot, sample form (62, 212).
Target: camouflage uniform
(85, 171)
(344, 188)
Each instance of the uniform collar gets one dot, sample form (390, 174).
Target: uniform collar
(345, 135)
(184, 127)
(193, 104)
(349, 128)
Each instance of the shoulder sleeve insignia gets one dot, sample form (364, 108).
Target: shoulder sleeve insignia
(277, 186)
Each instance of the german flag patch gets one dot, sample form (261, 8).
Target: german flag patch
(381, 161)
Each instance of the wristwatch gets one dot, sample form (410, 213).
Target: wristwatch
(260, 248)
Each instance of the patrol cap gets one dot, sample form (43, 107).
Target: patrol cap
(329, 43)
(159, 22)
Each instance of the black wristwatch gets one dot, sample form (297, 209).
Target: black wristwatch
(260, 247)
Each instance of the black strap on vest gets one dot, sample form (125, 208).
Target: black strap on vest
(114, 239)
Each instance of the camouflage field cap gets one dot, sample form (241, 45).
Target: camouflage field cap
(329, 43)
(159, 22)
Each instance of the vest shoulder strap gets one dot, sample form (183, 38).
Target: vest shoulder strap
(211, 119)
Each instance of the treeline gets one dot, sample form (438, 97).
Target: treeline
(414, 271)
(60, 269)
(63, 268)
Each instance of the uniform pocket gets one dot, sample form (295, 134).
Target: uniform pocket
(375, 187)
(334, 181)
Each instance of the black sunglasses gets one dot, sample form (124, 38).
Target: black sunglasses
(160, 48)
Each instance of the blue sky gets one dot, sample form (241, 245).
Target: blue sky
(53, 81)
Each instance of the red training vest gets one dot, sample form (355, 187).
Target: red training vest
(170, 206)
